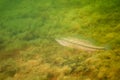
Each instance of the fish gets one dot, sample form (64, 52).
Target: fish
(78, 44)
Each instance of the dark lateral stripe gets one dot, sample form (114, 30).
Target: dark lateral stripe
(99, 48)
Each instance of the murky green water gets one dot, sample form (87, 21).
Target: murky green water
(28, 29)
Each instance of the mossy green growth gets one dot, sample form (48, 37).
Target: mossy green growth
(28, 29)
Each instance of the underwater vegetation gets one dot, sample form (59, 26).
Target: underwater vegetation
(29, 51)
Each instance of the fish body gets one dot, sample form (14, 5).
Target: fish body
(78, 44)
